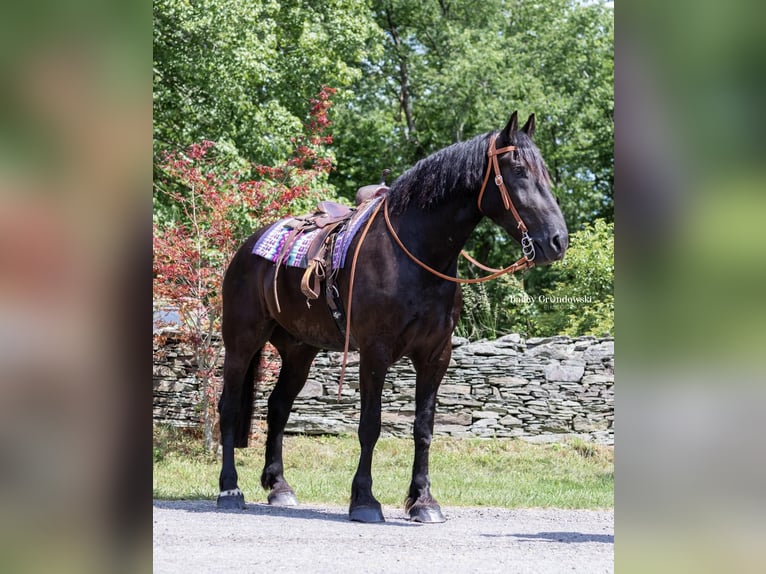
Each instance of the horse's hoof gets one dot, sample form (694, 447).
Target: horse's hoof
(427, 514)
(367, 514)
(231, 500)
(283, 498)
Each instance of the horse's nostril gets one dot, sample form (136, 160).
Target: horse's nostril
(559, 243)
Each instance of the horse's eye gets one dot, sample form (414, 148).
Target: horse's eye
(519, 171)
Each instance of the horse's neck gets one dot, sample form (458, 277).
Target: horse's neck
(438, 234)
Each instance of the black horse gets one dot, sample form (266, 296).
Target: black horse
(399, 308)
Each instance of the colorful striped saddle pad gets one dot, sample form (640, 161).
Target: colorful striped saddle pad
(271, 244)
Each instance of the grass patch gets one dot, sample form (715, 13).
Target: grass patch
(464, 472)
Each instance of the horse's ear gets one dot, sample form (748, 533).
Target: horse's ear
(529, 127)
(511, 126)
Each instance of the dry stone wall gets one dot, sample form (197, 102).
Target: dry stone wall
(539, 389)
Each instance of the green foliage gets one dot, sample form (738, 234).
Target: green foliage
(478, 319)
(451, 70)
(577, 298)
(412, 76)
(586, 273)
(497, 308)
(178, 441)
(239, 73)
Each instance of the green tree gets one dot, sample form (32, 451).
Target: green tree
(450, 70)
(239, 72)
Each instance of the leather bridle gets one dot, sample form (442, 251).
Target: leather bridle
(527, 247)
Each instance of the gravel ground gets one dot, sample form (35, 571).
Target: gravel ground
(192, 536)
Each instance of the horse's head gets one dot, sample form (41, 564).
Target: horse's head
(521, 199)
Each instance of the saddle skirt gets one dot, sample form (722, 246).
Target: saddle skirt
(273, 242)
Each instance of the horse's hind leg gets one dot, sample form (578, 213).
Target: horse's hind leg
(296, 362)
(430, 370)
(236, 409)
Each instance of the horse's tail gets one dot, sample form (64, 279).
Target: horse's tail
(244, 424)
(244, 417)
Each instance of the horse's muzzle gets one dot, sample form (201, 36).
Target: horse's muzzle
(551, 248)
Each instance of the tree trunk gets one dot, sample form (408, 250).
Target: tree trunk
(208, 415)
(405, 100)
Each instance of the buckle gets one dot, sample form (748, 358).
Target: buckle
(527, 247)
(498, 180)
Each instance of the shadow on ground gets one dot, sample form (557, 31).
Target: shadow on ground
(256, 509)
(567, 537)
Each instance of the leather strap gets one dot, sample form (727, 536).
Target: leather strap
(518, 265)
(362, 237)
(492, 154)
(296, 231)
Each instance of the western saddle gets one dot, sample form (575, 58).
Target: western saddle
(367, 192)
(329, 218)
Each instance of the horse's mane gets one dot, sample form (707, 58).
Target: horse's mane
(453, 170)
(456, 169)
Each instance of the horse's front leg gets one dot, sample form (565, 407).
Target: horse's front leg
(372, 373)
(420, 505)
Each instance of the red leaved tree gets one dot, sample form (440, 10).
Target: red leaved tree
(218, 210)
